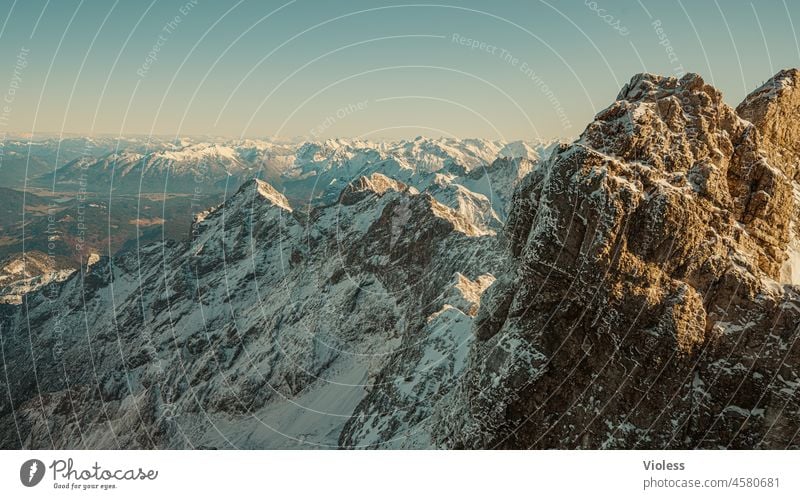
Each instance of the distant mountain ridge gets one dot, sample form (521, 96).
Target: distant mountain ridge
(304, 168)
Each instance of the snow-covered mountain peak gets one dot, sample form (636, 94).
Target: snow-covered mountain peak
(198, 152)
(464, 294)
(253, 195)
(374, 183)
(265, 191)
(124, 156)
(460, 222)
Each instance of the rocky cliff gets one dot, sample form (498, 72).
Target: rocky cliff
(644, 307)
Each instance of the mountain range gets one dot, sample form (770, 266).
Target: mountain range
(633, 288)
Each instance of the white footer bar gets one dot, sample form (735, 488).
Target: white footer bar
(402, 474)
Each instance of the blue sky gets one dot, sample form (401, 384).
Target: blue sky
(540, 69)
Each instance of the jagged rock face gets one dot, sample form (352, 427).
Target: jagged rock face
(681, 133)
(773, 109)
(642, 310)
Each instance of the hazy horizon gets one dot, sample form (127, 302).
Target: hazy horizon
(319, 70)
(46, 135)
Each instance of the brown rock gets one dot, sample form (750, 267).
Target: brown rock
(644, 309)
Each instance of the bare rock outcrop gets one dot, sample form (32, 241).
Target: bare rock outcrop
(773, 108)
(644, 308)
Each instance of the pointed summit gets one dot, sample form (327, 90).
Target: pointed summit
(649, 86)
(374, 183)
(773, 109)
(264, 190)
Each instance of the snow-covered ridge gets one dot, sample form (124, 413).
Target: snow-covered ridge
(309, 169)
(421, 155)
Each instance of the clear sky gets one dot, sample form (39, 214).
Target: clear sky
(502, 69)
